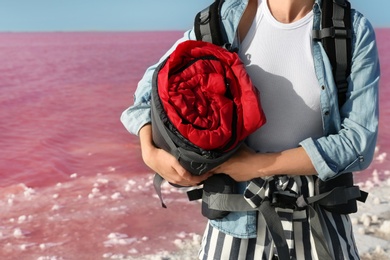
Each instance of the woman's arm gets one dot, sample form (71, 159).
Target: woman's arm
(137, 120)
(246, 164)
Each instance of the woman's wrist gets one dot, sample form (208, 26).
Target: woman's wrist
(291, 162)
(146, 141)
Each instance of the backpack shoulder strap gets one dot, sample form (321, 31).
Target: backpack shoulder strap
(208, 25)
(335, 35)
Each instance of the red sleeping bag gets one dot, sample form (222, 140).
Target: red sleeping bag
(208, 96)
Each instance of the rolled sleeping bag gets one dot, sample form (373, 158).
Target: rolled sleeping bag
(203, 105)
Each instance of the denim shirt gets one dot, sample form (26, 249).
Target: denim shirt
(349, 133)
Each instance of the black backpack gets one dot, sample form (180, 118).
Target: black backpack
(338, 195)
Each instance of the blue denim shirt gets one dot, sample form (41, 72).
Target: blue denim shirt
(350, 132)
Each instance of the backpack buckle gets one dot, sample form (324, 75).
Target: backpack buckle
(340, 32)
(342, 3)
(284, 199)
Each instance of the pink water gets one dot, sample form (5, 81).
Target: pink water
(72, 184)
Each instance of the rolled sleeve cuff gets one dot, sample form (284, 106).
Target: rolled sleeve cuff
(135, 119)
(323, 170)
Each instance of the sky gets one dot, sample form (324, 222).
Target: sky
(128, 15)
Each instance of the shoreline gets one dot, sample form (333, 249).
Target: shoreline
(372, 221)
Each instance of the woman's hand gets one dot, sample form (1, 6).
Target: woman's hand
(246, 164)
(165, 164)
(239, 166)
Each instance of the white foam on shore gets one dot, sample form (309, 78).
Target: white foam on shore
(118, 239)
(371, 222)
(81, 198)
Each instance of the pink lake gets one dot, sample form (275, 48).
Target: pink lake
(73, 185)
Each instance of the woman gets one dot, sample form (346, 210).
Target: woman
(306, 135)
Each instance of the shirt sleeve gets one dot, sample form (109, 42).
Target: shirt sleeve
(352, 146)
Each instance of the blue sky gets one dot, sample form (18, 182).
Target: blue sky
(124, 15)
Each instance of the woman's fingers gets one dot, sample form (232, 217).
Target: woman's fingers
(170, 169)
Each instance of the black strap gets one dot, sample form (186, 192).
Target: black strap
(157, 182)
(335, 35)
(276, 229)
(337, 196)
(322, 248)
(208, 25)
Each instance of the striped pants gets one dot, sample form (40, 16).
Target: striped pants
(337, 231)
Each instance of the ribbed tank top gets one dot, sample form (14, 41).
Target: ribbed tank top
(279, 59)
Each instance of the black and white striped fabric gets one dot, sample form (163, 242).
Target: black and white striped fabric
(337, 231)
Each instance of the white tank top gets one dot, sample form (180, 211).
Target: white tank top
(279, 59)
